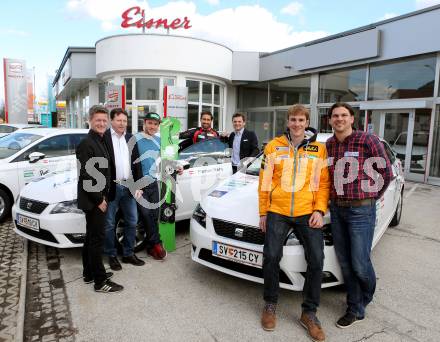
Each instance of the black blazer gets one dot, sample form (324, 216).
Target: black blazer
(93, 145)
(248, 144)
(136, 168)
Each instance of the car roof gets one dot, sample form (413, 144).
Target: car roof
(20, 125)
(54, 131)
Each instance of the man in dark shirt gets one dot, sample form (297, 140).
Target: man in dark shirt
(205, 132)
(93, 188)
(360, 172)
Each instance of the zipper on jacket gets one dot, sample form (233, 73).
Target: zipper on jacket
(270, 195)
(293, 182)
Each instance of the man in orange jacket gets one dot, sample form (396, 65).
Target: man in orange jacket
(293, 193)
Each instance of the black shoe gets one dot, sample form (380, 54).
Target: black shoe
(108, 286)
(89, 280)
(348, 320)
(133, 259)
(114, 263)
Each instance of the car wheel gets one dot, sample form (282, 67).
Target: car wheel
(140, 240)
(5, 205)
(398, 213)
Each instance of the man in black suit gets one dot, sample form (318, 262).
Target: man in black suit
(244, 143)
(93, 188)
(124, 173)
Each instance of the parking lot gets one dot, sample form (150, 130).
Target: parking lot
(178, 300)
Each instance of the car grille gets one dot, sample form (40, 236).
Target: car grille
(206, 254)
(228, 230)
(41, 234)
(32, 206)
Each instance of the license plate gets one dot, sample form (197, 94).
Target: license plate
(241, 255)
(28, 222)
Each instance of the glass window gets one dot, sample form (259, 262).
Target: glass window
(216, 113)
(193, 91)
(206, 92)
(193, 115)
(434, 170)
(128, 89)
(216, 94)
(7, 129)
(253, 95)
(168, 82)
(57, 146)
(147, 89)
(101, 93)
(262, 124)
(410, 78)
(14, 142)
(290, 91)
(342, 86)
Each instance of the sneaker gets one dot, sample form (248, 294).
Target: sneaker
(157, 252)
(114, 263)
(108, 286)
(89, 280)
(133, 259)
(269, 318)
(348, 320)
(313, 326)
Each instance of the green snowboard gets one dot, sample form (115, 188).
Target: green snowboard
(169, 147)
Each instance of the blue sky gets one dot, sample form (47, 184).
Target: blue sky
(41, 31)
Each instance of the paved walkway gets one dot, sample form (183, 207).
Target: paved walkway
(11, 254)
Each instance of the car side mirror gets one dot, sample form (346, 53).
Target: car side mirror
(36, 156)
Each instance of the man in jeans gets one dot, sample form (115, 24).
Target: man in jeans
(360, 173)
(123, 169)
(293, 193)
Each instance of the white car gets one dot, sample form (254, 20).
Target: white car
(6, 129)
(28, 154)
(46, 211)
(225, 235)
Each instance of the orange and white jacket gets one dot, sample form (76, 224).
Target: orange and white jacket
(294, 181)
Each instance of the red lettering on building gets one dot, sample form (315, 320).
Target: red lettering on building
(135, 17)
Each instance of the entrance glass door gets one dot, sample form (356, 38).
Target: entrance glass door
(407, 132)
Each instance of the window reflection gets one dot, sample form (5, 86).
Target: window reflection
(342, 86)
(290, 91)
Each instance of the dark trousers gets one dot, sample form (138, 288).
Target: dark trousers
(353, 231)
(93, 246)
(149, 214)
(234, 168)
(277, 228)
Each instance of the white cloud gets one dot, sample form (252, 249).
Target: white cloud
(293, 8)
(426, 3)
(213, 2)
(387, 16)
(251, 28)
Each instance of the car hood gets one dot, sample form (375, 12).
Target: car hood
(234, 200)
(54, 188)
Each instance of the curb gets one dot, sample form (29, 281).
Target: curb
(22, 299)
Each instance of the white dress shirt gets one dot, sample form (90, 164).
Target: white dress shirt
(236, 147)
(122, 158)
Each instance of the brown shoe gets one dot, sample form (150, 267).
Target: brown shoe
(311, 323)
(269, 318)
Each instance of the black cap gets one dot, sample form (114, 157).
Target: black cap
(152, 116)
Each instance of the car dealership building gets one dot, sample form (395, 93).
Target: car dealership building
(388, 71)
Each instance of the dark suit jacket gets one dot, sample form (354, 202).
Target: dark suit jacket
(93, 145)
(136, 170)
(248, 144)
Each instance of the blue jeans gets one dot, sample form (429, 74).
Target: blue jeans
(150, 216)
(353, 230)
(126, 202)
(278, 226)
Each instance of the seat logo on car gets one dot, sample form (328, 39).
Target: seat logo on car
(238, 232)
(29, 205)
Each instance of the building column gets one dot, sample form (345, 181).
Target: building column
(314, 91)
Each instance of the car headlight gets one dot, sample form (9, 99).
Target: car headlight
(66, 207)
(199, 215)
(292, 240)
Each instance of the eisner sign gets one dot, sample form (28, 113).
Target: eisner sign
(135, 17)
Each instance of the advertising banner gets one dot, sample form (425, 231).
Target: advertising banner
(114, 96)
(176, 102)
(16, 97)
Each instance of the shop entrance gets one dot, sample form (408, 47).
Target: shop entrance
(136, 113)
(407, 132)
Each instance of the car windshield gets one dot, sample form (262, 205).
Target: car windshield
(14, 142)
(254, 167)
(7, 129)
